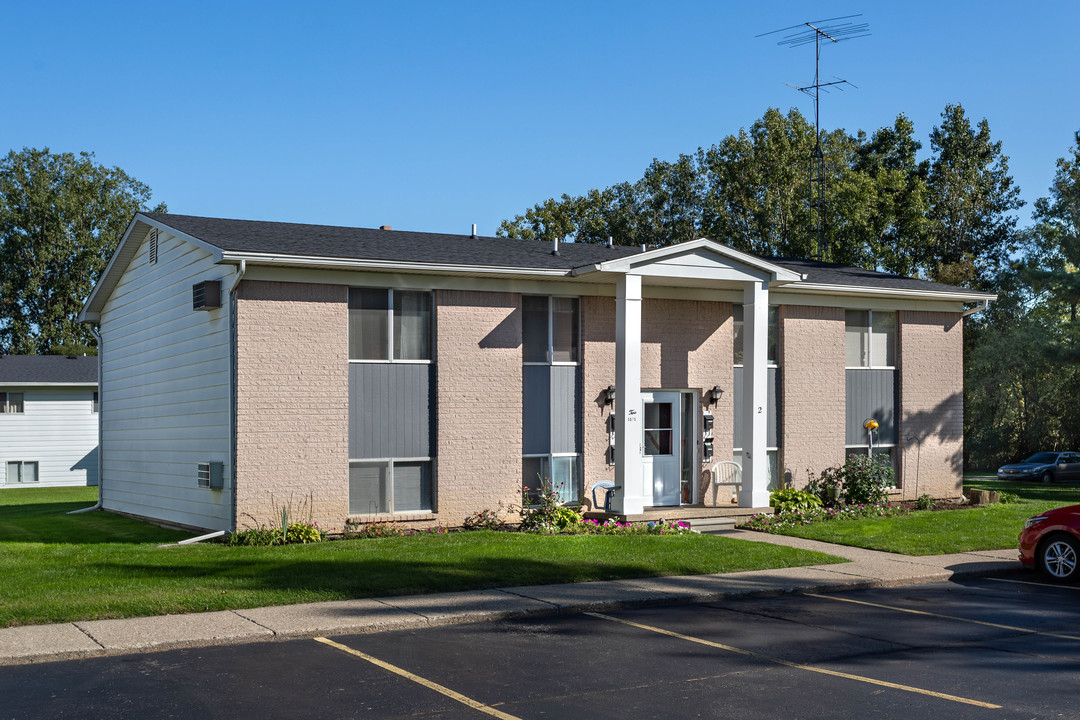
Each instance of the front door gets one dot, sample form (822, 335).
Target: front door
(661, 457)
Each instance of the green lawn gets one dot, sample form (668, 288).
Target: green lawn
(989, 527)
(58, 567)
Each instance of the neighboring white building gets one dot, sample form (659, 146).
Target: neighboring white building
(48, 420)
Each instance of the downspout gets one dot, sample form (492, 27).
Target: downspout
(233, 322)
(100, 462)
(983, 305)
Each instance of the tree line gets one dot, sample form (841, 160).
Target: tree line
(949, 217)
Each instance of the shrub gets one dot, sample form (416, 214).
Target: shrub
(486, 519)
(826, 486)
(302, 533)
(791, 500)
(925, 502)
(865, 478)
(1007, 497)
(542, 511)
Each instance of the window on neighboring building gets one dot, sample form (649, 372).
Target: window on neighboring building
(870, 338)
(94, 407)
(772, 342)
(389, 325)
(390, 486)
(551, 354)
(20, 471)
(11, 402)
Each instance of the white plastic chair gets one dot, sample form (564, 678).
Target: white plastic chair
(727, 473)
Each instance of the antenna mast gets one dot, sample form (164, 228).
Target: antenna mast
(806, 33)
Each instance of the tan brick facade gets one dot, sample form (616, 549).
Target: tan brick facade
(814, 390)
(932, 403)
(685, 345)
(478, 366)
(292, 404)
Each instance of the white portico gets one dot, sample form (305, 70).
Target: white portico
(698, 264)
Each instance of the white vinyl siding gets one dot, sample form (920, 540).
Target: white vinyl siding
(165, 395)
(57, 429)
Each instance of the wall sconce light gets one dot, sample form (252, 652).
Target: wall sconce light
(714, 394)
(609, 395)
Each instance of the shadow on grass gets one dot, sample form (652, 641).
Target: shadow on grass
(1064, 493)
(49, 522)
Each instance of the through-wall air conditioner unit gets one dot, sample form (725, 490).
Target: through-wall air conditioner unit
(206, 295)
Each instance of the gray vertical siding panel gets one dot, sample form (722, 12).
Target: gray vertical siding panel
(564, 409)
(536, 409)
(871, 393)
(389, 410)
(772, 435)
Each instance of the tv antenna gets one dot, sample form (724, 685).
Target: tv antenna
(832, 30)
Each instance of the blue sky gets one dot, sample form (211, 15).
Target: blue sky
(433, 116)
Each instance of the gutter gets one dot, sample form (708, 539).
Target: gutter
(100, 461)
(984, 305)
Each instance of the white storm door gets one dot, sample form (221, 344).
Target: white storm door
(660, 458)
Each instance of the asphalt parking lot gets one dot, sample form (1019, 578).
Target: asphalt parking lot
(986, 648)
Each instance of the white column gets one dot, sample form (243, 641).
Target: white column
(630, 498)
(755, 395)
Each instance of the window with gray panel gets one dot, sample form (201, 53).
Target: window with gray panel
(11, 402)
(870, 352)
(391, 401)
(551, 396)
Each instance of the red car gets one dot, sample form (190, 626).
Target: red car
(1051, 543)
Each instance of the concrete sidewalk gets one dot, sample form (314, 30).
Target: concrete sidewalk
(867, 568)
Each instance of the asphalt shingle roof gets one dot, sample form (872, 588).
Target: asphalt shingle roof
(48, 369)
(295, 239)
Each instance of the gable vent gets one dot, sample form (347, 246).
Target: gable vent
(206, 295)
(153, 246)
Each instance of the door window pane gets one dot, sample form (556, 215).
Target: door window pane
(658, 442)
(534, 328)
(368, 324)
(412, 325)
(368, 490)
(412, 486)
(564, 326)
(855, 337)
(883, 339)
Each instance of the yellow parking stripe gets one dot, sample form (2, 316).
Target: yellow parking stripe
(487, 709)
(946, 617)
(798, 666)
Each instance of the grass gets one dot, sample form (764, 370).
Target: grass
(58, 567)
(988, 527)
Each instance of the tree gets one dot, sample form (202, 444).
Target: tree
(61, 217)
(971, 194)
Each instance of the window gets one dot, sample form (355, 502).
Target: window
(772, 466)
(11, 402)
(390, 486)
(19, 471)
(551, 434)
(561, 472)
(773, 335)
(870, 338)
(389, 325)
(94, 406)
(550, 330)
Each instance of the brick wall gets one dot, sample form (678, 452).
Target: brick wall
(932, 403)
(813, 407)
(292, 401)
(479, 407)
(684, 345)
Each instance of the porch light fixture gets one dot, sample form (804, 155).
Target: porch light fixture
(714, 394)
(609, 395)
